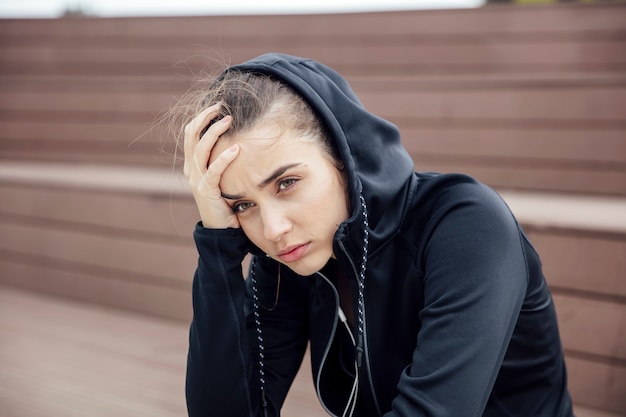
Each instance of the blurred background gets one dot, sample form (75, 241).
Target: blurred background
(96, 256)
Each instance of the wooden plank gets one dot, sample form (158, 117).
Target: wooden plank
(168, 216)
(488, 80)
(593, 104)
(97, 287)
(144, 148)
(177, 82)
(589, 264)
(80, 131)
(602, 106)
(113, 254)
(583, 147)
(146, 105)
(349, 60)
(580, 411)
(103, 156)
(596, 384)
(604, 325)
(347, 52)
(124, 83)
(530, 177)
(134, 153)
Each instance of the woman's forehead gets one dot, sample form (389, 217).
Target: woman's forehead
(268, 144)
(256, 162)
(264, 152)
(252, 141)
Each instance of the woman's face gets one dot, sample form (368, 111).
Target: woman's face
(288, 195)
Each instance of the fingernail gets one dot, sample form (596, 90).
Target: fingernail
(232, 149)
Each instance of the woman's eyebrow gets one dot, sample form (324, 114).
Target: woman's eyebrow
(277, 173)
(231, 196)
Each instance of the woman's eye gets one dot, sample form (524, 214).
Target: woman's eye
(286, 183)
(241, 207)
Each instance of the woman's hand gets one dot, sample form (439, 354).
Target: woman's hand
(204, 179)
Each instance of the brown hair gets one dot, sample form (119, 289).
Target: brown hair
(252, 98)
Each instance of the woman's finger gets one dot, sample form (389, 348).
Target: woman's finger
(214, 210)
(192, 134)
(205, 146)
(218, 166)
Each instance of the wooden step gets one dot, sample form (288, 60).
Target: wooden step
(71, 359)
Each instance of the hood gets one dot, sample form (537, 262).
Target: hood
(377, 165)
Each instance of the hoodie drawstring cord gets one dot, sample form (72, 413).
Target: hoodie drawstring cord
(259, 335)
(361, 285)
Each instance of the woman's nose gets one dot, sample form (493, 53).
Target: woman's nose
(275, 224)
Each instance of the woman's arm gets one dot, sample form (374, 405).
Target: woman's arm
(474, 284)
(223, 363)
(219, 364)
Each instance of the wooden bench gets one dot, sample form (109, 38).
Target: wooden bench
(528, 99)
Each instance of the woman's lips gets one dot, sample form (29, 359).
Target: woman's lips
(293, 253)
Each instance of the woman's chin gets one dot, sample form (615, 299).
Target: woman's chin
(306, 267)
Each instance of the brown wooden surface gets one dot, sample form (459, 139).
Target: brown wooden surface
(109, 236)
(528, 99)
(133, 250)
(585, 271)
(62, 358)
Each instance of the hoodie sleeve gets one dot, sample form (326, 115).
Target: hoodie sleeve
(219, 365)
(475, 280)
(222, 363)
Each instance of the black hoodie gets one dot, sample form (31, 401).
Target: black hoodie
(453, 315)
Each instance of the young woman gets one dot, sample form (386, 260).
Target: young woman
(418, 292)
